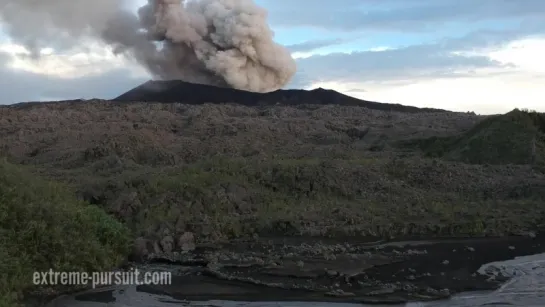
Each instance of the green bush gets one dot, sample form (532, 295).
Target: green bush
(43, 226)
(517, 137)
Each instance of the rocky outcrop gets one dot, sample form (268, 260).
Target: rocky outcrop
(354, 271)
(167, 247)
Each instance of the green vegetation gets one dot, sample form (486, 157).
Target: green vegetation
(43, 226)
(229, 198)
(225, 172)
(517, 137)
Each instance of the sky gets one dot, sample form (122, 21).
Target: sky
(485, 56)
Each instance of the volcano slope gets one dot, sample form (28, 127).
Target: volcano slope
(176, 171)
(191, 93)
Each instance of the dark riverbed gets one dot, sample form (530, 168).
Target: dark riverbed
(285, 272)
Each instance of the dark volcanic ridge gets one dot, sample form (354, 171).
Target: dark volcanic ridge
(192, 93)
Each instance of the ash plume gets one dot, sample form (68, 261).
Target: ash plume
(218, 42)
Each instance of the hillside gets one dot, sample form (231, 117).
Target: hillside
(517, 137)
(190, 93)
(228, 171)
(235, 171)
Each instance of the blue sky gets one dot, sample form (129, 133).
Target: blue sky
(464, 55)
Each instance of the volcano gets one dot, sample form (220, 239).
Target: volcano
(176, 91)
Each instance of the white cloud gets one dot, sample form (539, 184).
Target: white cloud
(339, 48)
(527, 54)
(485, 95)
(88, 71)
(485, 91)
(381, 48)
(88, 60)
(303, 55)
(14, 49)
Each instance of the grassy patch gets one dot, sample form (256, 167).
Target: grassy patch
(43, 226)
(517, 137)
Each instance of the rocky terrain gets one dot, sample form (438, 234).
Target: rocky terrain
(349, 270)
(183, 176)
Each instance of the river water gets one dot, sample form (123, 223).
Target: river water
(525, 288)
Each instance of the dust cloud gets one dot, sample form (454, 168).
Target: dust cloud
(218, 42)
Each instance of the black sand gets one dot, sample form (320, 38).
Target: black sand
(286, 270)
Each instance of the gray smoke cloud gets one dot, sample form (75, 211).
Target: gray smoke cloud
(217, 42)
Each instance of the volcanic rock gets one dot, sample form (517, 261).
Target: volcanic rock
(191, 93)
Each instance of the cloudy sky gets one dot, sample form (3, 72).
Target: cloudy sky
(485, 56)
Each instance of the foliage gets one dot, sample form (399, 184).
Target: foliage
(43, 226)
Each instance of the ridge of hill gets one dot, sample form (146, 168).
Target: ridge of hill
(192, 93)
(517, 137)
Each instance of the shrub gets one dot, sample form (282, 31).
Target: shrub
(43, 226)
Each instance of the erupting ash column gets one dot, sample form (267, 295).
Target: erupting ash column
(159, 11)
(217, 42)
(220, 42)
